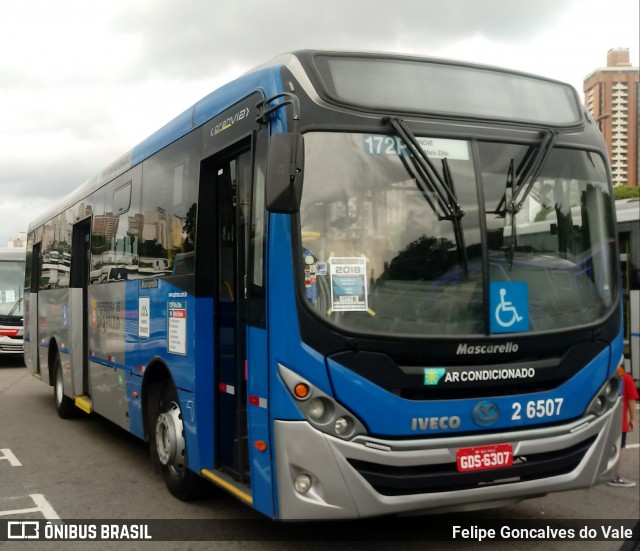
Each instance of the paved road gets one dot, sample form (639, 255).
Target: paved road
(87, 468)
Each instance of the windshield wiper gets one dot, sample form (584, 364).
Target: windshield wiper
(428, 176)
(528, 170)
(531, 171)
(15, 307)
(456, 216)
(430, 182)
(516, 192)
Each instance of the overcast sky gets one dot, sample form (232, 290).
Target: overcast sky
(83, 81)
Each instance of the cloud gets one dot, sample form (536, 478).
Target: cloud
(200, 37)
(82, 82)
(16, 213)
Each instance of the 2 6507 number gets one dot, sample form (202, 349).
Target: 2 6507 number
(537, 409)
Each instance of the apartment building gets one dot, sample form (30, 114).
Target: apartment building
(612, 96)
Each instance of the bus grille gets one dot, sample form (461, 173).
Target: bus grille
(18, 348)
(395, 481)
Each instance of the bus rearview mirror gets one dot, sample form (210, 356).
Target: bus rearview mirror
(284, 173)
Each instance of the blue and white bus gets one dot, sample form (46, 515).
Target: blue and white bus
(628, 220)
(314, 289)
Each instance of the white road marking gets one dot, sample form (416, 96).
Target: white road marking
(42, 506)
(10, 457)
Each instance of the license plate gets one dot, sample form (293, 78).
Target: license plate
(480, 458)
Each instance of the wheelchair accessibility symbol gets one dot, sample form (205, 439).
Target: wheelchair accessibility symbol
(509, 307)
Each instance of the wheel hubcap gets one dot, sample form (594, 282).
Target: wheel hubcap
(169, 438)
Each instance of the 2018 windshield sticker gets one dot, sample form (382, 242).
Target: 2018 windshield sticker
(435, 148)
(349, 284)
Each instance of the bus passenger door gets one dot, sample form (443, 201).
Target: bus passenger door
(232, 194)
(79, 278)
(32, 324)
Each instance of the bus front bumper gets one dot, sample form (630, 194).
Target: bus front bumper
(371, 477)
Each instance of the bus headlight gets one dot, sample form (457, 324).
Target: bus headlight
(317, 408)
(320, 409)
(606, 397)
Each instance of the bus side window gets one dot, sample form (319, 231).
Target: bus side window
(168, 210)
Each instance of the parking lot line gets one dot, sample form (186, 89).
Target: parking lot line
(6, 453)
(41, 506)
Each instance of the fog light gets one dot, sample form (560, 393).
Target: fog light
(343, 426)
(303, 483)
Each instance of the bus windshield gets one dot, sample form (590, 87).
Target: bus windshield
(382, 255)
(11, 283)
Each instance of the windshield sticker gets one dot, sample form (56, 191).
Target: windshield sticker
(349, 284)
(509, 302)
(311, 284)
(435, 148)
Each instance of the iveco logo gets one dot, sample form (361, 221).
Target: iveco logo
(485, 414)
(435, 423)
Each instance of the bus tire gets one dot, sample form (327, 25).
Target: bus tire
(169, 447)
(64, 405)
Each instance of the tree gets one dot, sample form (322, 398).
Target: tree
(626, 192)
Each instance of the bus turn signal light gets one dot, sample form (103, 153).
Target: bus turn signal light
(301, 391)
(260, 445)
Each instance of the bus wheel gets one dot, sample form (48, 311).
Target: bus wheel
(171, 449)
(64, 405)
